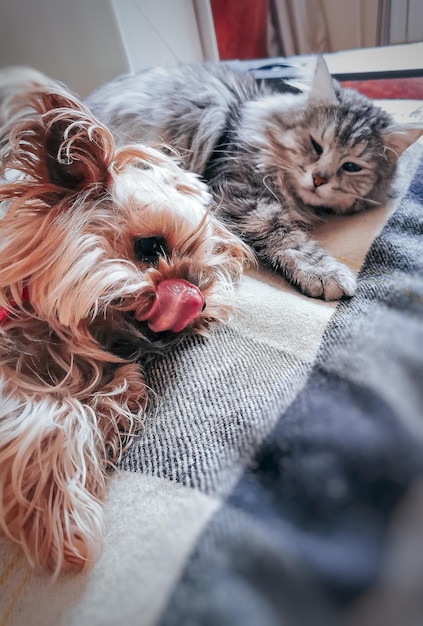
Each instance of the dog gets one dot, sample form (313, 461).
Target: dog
(106, 255)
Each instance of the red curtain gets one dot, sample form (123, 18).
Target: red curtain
(241, 28)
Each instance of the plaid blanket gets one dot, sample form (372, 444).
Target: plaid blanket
(277, 479)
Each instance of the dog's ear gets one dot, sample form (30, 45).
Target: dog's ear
(78, 149)
(53, 140)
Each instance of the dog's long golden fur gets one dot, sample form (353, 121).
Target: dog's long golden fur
(71, 292)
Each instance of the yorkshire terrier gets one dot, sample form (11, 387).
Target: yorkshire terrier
(106, 255)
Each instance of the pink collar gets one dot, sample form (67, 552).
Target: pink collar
(5, 313)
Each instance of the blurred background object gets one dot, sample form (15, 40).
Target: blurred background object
(87, 42)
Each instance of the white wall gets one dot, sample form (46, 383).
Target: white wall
(75, 41)
(87, 42)
(161, 31)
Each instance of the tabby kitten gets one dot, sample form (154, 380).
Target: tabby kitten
(276, 163)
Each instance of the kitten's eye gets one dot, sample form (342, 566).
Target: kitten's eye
(349, 166)
(317, 147)
(149, 249)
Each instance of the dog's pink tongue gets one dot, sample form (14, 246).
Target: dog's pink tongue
(177, 303)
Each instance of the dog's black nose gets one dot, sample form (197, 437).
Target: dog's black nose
(149, 249)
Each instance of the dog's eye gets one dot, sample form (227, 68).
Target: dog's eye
(149, 249)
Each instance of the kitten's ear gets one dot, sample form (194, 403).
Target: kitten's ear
(322, 91)
(398, 139)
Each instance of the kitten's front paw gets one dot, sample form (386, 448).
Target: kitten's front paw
(327, 279)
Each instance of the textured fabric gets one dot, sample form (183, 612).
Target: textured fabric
(277, 479)
(306, 521)
(389, 87)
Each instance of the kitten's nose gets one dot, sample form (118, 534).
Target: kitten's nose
(319, 180)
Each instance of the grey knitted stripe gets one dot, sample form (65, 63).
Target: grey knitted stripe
(216, 401)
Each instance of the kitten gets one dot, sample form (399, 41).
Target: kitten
(276, 163)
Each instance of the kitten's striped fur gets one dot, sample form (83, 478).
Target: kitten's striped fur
(276, 163)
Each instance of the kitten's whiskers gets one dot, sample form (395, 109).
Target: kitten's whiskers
(357, 196)
(269, 189)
